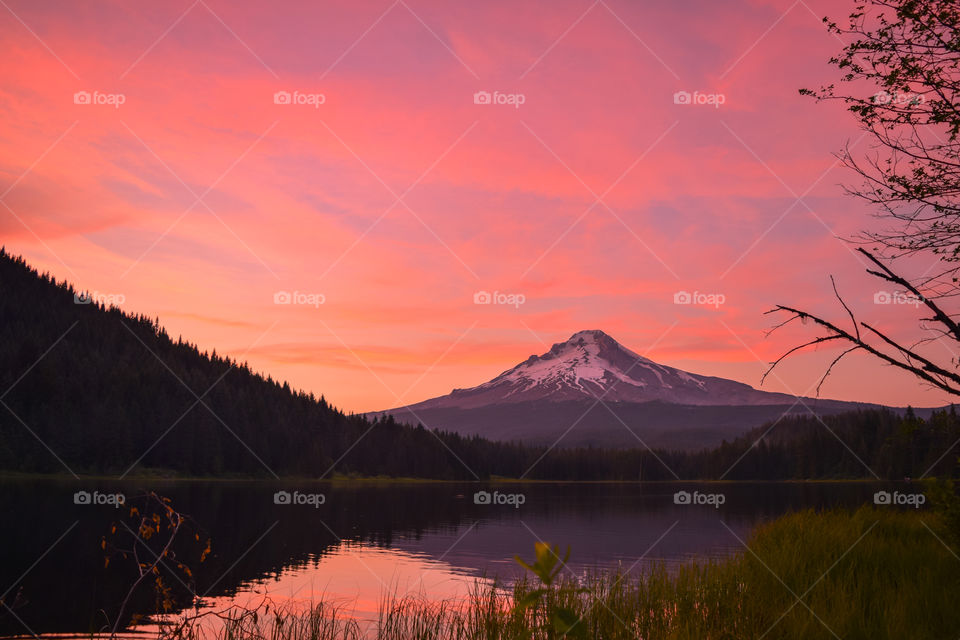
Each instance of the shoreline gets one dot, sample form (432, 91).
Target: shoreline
(375, 480)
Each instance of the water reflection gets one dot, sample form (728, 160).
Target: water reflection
(363, 538)
(354, 577)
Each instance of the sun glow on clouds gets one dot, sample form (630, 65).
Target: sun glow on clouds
(398, 198)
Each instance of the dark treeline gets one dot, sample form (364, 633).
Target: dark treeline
(92, 389)
(850, 445)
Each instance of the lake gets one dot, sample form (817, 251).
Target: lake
(301, 542)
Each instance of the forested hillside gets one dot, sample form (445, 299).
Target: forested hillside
(114, 387)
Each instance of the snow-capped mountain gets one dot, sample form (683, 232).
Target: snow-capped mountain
(591, 365)
(555, 395)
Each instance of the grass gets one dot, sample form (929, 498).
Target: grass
(873, 574)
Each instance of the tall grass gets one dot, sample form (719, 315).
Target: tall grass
(872, 574)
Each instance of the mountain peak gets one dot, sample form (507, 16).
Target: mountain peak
(596, 336)
(544, 397)
(590, 365)
(592, 345)
(589, 333)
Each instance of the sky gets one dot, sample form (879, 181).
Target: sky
(382, 201)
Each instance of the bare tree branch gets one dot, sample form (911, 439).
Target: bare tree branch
(833, 364)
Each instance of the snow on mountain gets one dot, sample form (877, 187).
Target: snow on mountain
(592, 365)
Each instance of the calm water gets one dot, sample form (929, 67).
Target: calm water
(362, 540)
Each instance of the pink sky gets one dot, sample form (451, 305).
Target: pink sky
(399, 198)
